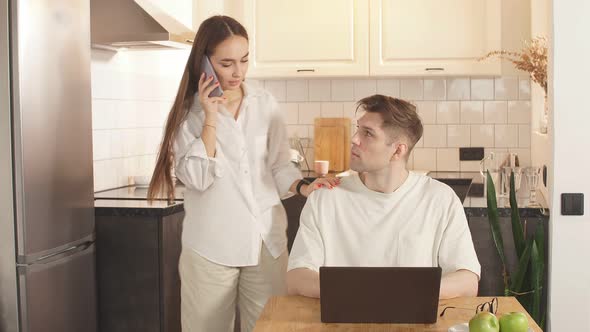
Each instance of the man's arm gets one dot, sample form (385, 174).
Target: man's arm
(303, 281)
(307, 253)
(459, 283)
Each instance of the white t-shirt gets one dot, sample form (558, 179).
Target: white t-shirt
(422, 223)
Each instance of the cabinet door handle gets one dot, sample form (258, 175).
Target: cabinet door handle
(305, 70)
(435, 69)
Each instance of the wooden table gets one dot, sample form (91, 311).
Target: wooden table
(297, 313)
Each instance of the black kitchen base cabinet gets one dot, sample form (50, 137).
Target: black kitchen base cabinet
(137, 271)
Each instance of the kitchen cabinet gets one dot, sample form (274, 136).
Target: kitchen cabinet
(138, 247)
(334, 38)
(425, 37)
(307, 38)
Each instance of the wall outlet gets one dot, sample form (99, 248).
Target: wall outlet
(471, 153)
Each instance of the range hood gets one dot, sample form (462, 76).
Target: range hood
(136, 24)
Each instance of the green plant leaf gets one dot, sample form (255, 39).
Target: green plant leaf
(517, 231)
(536, 280)
(494, 222)
(523, 266)
(540, 239)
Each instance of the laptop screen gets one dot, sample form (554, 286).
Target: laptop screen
(404, 295)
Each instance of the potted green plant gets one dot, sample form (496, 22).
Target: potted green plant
(526, 282)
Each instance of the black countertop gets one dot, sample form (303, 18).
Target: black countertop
(121, 207)
(134, 192)
(132, 199)
(475, 202)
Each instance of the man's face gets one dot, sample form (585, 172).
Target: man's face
(372, 147)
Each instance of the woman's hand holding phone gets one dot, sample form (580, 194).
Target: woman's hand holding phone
(209, 104)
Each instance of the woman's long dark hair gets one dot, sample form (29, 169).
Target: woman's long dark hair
(212, 32)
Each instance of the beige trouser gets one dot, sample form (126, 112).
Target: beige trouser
(209, 292)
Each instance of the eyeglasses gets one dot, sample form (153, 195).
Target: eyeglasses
(491, 306)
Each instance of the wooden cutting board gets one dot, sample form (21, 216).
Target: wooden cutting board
(332, 142)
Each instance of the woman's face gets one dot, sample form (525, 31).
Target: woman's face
(230, 62)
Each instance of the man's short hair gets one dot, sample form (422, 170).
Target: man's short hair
(399, 117)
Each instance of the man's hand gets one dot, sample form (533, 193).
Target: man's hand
(459, 283)
(304, 282)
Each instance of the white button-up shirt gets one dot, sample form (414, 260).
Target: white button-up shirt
(232, 202)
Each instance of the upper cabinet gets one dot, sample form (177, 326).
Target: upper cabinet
(331, 38)
(307, 38)
(428, 37)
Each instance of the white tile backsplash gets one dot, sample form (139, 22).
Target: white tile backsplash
(524, 89)
(506, 136)
(425, 159)
(426, 111)
(458, 136)
(435, 136)
(519, 112)
(388, 87)
(482, 89)
(459, 89)
(132, 93)
(506, 88)
(331, 110)
(364, 88)
(297, 90)
(103, 111)
(101, 149)
(471, 112)
(277, 88)
(495, 112)
(447, 160)
(308, 112)
(482, 136)
(349, 111)
(290, 112)
(342, 90)
(412, 89)
(524, 136)
(469, 165)
(320, 90)
(435, 89)
(132, 99)
(448, 112)
(297, 131)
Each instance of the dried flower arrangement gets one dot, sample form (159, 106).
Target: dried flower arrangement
(532, 59)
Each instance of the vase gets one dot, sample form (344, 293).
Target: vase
(544, 117)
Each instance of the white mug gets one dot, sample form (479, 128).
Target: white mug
(321, 167)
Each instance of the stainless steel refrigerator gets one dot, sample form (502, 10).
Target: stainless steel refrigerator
(47, 254)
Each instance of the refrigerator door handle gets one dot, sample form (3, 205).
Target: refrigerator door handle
(57, 255)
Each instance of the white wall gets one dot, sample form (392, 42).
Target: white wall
(569, 283)
(132, 93)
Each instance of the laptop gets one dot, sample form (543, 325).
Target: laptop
(403, 295)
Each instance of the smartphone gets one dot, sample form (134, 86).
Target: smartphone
(207, 68)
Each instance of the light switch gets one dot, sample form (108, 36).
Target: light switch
(572, 204)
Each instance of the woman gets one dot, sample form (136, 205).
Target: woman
(232, 154)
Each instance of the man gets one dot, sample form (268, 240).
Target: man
(384, 215)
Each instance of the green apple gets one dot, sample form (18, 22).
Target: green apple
(514, 322)
(484, 322)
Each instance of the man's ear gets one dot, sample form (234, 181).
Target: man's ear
(401, 150)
